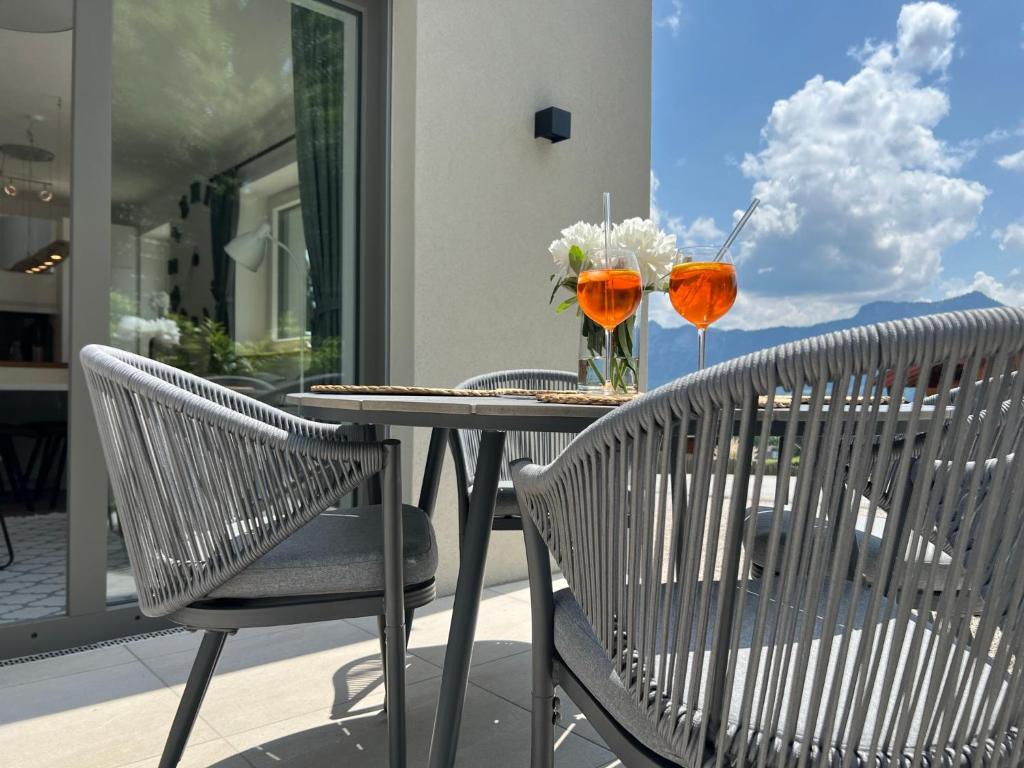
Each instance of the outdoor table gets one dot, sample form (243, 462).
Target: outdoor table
(493, 416)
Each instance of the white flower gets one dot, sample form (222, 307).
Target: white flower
(589, 237)
(164, 329)
(653, 248)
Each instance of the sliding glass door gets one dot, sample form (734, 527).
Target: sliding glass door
(35, 200)
(229, 174)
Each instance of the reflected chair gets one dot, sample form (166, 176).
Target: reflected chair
(681, 652)
(541, 447)
(228, 512)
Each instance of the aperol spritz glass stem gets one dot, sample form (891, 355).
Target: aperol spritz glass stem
(609, 386)
(702, 339)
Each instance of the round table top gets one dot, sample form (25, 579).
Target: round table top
(497, 413)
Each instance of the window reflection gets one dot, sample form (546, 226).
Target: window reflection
(235, 190)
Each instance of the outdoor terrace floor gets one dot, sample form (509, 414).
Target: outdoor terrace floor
(306, 696)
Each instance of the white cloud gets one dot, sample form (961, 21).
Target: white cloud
(859, 197)
(925, 33)
(701, 231)
(1014, 162)
(1009, 291)
(673, 19)
(753, 311)
(1011, 237)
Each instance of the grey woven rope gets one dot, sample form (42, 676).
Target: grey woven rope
(206, 480)
(542, 447)
(830, 651)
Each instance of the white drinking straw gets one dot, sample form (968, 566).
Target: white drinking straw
(736, 229)
(607, 225)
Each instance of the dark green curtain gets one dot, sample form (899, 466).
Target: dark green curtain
(318, 47)
(223, 228)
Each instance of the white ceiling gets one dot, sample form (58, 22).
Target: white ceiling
(199, 85)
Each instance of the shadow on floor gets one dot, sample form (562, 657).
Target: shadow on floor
(495, 732)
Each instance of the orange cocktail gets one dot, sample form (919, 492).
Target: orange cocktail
(609, 296)
(609, 290)
(702, 291)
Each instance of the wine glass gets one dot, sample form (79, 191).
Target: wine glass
(609, 290)
(702, 288)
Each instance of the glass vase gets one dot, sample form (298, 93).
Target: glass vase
(626, 361)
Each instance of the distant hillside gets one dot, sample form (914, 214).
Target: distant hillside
(673, 351)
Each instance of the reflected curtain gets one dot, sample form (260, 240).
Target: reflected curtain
(318, 77)
(223, 226)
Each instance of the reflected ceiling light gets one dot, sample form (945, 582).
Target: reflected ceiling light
(56, 256)
(45, 195)
(29, 271)
(10, 190)
(47, 263)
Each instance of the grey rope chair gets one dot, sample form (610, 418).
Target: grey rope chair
(680, 654)
(542, 447)
(226, 505)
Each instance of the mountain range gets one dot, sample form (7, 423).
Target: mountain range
(673, 351)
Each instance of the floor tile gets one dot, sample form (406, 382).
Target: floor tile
(217, 753)
(160, 645)
(263, 679)
(68, 664)
(510, 678)
(495, 733)
(34, 587)
(101, 719)
(506, 630)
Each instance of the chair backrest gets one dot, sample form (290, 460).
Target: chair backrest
(206, 480)
(542, 447)
(810, 661)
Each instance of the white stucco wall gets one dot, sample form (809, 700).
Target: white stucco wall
(476, 199)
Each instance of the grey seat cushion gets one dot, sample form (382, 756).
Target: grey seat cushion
(505, 503)
(580, 649)
(870, 540)
(340, 551)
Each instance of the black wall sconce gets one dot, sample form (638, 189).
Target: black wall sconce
(552, 124)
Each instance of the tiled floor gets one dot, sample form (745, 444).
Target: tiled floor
(304, 696)
(33, 587)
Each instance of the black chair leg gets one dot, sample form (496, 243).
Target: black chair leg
(9, 458)
(192, 698)
(7, 541)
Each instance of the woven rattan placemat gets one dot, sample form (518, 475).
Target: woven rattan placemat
(545, 396)
(583, 398)
(368, 389)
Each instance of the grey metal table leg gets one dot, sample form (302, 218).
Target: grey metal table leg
(459, 653)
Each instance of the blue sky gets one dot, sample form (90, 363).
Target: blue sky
(882, 138)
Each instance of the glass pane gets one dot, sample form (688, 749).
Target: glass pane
(35, 141)
(292, 295)
(235, 205)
